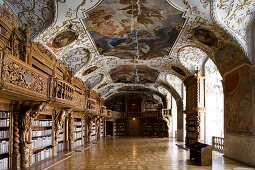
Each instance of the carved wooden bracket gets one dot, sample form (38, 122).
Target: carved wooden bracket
(27, 114)
(58, 119)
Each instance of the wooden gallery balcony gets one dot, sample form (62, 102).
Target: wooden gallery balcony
(20, 81)
(92, 107)
(69, 95)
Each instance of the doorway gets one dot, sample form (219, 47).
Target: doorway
(133, 127)
(109, 128)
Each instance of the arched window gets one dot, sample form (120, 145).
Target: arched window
(214, 102)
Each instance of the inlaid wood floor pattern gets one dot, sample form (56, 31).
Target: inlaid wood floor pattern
(142, 154)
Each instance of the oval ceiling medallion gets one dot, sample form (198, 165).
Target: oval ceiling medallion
(206, 37)
(178, 70)
(64, 38)
(89, 70)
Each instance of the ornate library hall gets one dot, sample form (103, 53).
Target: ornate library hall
(127, 84)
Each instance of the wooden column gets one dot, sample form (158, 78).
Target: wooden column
(180, 120)
(71, 131)
(104, 127)
(58, 120)
(98, 128)
(16, 154)
(86, 129)
(195, 108)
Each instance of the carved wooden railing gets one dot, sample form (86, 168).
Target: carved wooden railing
(67, 93)
(63, 90)
(218, 143)
(166, 112)
(92, 107)
(21, 80)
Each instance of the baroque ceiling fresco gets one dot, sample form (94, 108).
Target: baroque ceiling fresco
(127, 29)
(141, 44)
(133, 74)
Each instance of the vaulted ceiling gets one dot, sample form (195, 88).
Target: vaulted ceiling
(127, 45)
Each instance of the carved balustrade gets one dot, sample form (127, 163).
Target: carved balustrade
(68, 94)
(218, 143)
(22, 81)
(92, 107)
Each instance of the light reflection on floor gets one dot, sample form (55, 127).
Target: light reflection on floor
(140, 153)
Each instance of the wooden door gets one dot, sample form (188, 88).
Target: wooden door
(133, 127)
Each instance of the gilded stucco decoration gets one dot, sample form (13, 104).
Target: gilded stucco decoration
(78, 35)
(77, 58)
(235, 17)
(94, 80)
(38, 15)
(192, 58)
(175, 82)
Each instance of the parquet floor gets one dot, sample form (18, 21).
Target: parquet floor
(140, 153)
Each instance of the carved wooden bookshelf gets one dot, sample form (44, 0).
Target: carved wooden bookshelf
(61, 140)
(121, 126)
(114, 128)
(93, 132)
(4, 139)
(84, 130)
(102, 129)
(77, 132)
(42, 138)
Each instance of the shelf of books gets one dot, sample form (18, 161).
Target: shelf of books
(114, 129)
(61, 140)
(4, 139)
(41, 138)
(163, 129)
(84, 129)
(147, 128)
(93, 133)
(102, 129)
(121, 127)
(77, 132)
(154, 127)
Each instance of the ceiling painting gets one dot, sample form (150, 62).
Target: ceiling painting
(77, 58)
(133, 88)
(94, 80)
(64, 38)
(206, 37)
(133, 74)
(136, 44)
(125, 29)
(228, 57)
(89, 70)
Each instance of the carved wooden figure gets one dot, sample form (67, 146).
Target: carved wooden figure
(27, 117)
